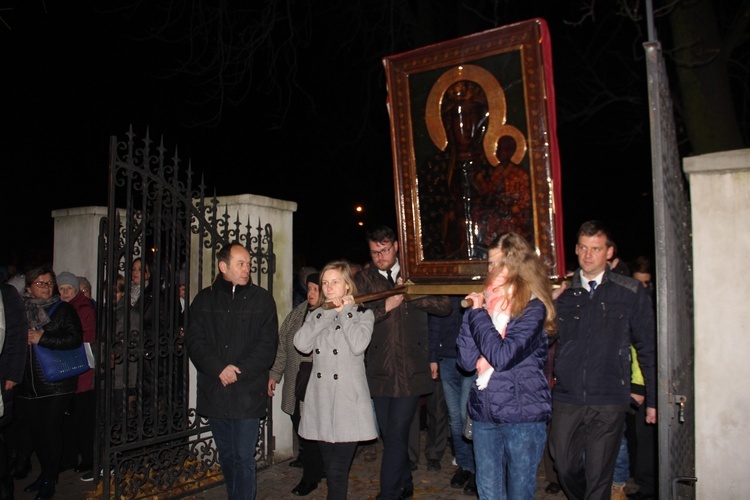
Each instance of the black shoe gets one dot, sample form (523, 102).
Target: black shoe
(34, 486)
(433, 465)
(303, 488)
(46, 490)
(37, 485)
(22, 469)
(6, 488)
(297, 462)
(459, 478)
(471, 486)
(414, 466)
(406, 493)
(83, 467)
(641, 496)
(552, 488)
(66, 467)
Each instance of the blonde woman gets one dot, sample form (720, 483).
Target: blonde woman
(504, 336)
(338, 410)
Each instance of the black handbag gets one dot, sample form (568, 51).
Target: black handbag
(303, 377)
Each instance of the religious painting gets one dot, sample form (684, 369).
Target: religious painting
(475, 152)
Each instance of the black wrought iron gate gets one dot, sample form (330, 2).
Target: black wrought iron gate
(674, 273)
(157, 248)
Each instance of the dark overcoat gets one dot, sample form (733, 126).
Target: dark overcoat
(237, 325)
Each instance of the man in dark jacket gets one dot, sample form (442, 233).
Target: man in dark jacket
(14, 329)
(232, 338)
(398, 366)
(598, 317)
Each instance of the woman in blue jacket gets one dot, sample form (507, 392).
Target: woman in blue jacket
(504, 336)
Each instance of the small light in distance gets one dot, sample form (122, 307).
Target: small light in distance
(360, 223)
(358, 209)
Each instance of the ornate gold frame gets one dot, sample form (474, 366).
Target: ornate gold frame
(509, 64)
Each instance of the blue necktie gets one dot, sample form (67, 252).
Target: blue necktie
(592, 286)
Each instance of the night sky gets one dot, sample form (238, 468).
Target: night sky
(311, 125)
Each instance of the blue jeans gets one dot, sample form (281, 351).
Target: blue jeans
(622, 465)
(456, 386)
(507, 458)
(235, 441)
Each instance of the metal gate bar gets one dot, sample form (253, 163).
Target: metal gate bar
(149, 441)
(674, 297)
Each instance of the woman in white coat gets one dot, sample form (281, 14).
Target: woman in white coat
(338, 410)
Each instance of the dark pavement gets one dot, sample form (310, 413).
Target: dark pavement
(276, 483)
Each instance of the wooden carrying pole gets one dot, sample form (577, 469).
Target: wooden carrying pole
(414, 291)
(369, 297)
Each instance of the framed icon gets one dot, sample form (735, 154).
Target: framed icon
(475, 151)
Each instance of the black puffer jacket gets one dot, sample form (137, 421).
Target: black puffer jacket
(62, 332)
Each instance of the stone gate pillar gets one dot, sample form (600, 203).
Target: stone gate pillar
(720, 198)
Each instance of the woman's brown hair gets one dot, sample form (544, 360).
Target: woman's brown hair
(527, 275)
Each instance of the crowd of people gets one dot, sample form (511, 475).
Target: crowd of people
(514, 375)
(526, 372)
(56, 419)
(52, 418)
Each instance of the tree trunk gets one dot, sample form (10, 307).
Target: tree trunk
(705, 92)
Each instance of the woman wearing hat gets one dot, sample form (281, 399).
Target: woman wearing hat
(80, 436)
(287, 364)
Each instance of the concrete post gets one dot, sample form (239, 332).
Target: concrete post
(720, 194)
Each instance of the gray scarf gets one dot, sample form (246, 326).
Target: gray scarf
(36, 312)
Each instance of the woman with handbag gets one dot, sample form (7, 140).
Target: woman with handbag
(504, 336)
(338, 411)
(41, 404)
(294, 367)
(80, 424)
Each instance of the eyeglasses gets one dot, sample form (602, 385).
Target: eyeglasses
(44, 284)
(381, 253)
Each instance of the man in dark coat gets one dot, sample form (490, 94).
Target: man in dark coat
(232, 338)
(398, 365)
(598, 318)
(12, 365)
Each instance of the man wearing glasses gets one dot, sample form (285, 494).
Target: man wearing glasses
(398, 367)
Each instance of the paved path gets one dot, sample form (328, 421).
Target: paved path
(276, 483)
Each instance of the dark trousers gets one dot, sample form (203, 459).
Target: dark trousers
(593, 432)
(338, 459)
(646, 465)
(549, 466)
(437, 423)
(79, 426)
(296, 418)
(436, 411)
(414, 437)
(394, 419)
(41, 423)
(312, 461)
